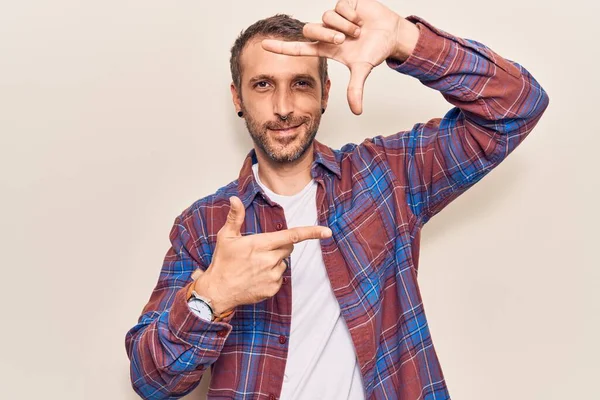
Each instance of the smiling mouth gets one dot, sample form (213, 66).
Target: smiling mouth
(286, 130)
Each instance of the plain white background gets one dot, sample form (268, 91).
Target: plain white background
(116, 115)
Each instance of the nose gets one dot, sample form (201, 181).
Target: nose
(283, 104)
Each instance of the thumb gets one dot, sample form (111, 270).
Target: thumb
(235, 217)
(358, 75)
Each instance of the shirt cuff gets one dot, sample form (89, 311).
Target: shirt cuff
(188, 326)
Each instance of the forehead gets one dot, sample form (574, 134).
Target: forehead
(255, 60)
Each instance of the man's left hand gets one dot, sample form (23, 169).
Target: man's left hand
(360, 34)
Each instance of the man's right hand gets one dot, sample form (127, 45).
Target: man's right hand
(249, 269)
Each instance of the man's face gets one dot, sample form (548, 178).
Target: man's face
(275, 86)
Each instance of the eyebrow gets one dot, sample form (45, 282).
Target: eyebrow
(302, 77)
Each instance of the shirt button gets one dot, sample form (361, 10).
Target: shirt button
(279, 226)
(222, 333)
(282, 339)
(284, 280)
(272, 397)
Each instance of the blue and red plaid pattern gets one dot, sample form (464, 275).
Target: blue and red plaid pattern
(375, 196)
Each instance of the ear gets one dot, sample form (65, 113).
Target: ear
(237, 100)
(325, 97)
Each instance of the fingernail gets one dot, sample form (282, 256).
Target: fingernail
(338, 38)
(326, 233)
(357, 32)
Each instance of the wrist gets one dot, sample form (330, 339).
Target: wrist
(205, 287)
(407, 36)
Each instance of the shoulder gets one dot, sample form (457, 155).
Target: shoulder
(363, 156)
(210, 204)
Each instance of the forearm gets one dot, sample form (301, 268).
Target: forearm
(170, 351)
(170, 346)
(493, 92)
(497, 104)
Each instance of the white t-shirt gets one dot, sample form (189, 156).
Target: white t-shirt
(321, 362)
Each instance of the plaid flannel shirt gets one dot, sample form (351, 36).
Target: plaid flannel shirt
(375, 196)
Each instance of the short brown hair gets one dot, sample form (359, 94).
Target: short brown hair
(279, 26)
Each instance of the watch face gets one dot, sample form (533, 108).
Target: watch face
(200, 308)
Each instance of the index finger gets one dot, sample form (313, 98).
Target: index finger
(275, 240)
(290, 48)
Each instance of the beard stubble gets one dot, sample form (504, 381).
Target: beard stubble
(283, 150)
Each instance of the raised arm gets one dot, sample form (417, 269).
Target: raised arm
(497, 103)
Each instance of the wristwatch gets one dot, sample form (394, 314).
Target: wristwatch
(202, 306)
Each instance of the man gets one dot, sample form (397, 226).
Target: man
(299, 279)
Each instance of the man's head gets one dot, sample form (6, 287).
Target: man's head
(276, 92)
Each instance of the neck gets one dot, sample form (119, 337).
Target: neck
(285, 179)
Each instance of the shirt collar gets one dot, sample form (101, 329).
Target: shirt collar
(324, 160)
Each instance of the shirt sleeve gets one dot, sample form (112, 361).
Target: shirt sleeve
(497, 103)
(170, 347)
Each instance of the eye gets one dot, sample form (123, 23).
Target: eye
(303, 84)
(261, 84)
